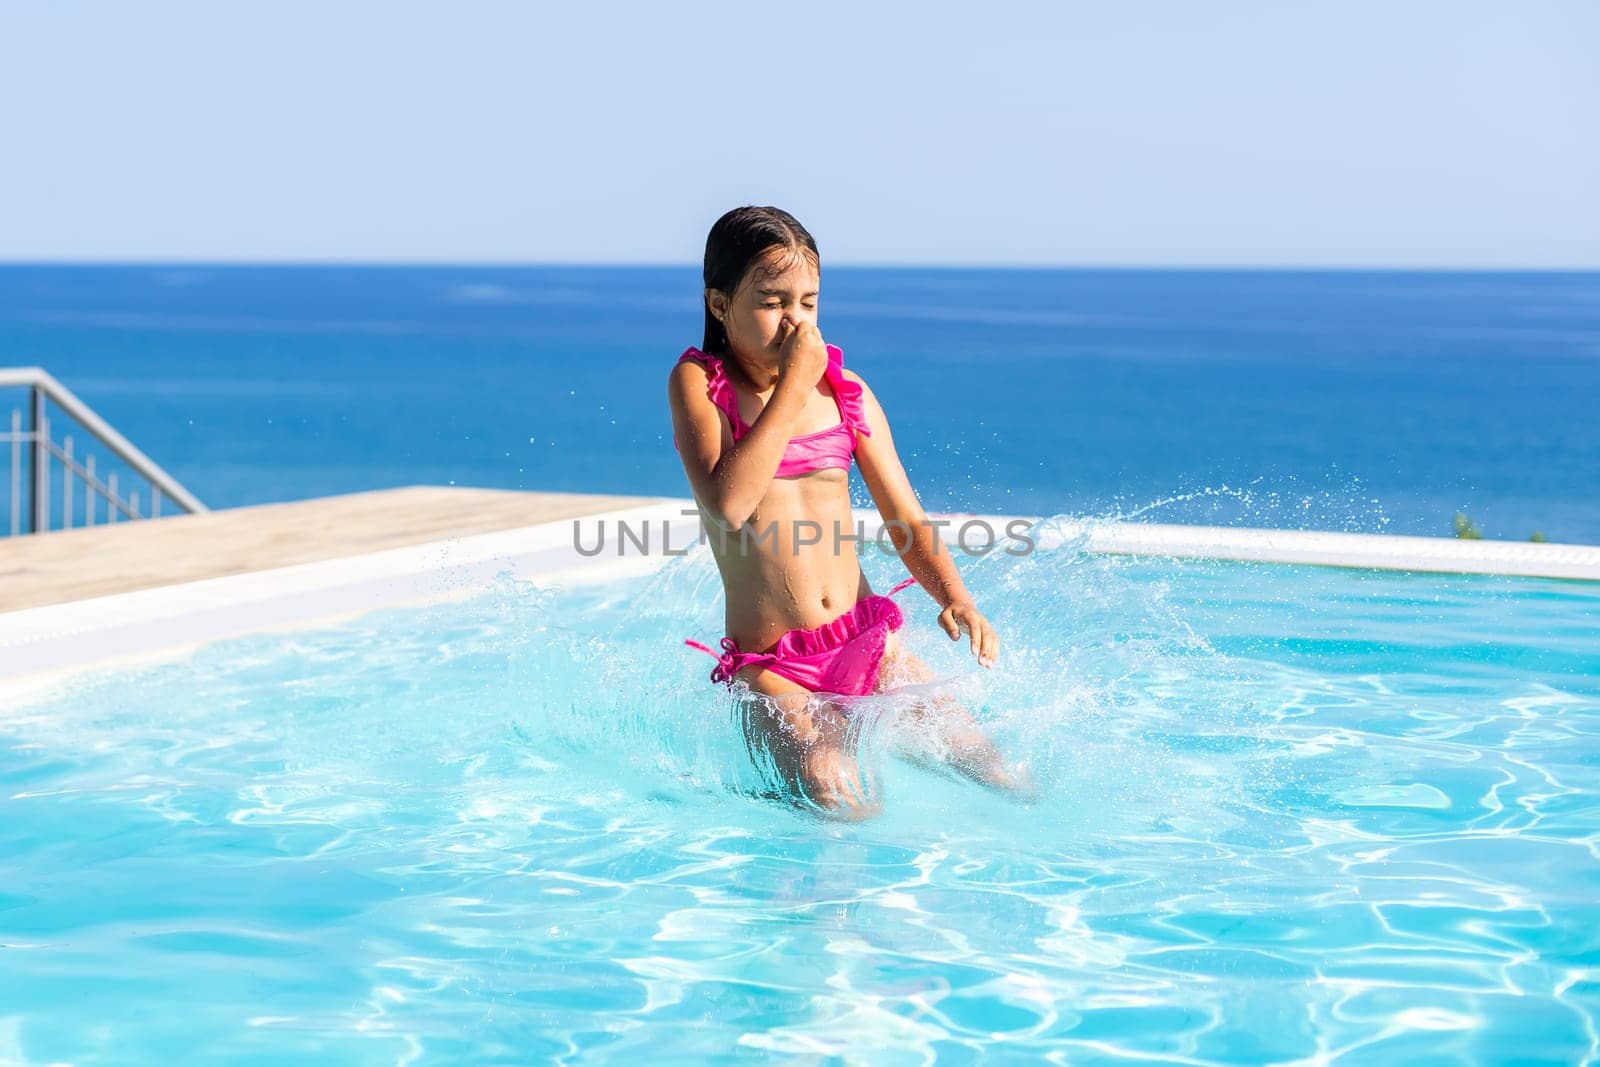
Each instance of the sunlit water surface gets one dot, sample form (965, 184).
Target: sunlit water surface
(1289, 814)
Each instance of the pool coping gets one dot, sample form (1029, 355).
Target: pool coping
(39, 646)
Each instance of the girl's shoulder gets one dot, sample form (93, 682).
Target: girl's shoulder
(837, 369)
(718, 387)
(695, 363)
(688, 371)
(694, 355)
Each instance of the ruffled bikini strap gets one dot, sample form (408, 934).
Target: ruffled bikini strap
(718, 388)
(899, 586)
(846, 392)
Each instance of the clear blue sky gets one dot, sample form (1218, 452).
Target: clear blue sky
(1393, 133)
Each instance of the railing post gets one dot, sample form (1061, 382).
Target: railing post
(41, 465)
(88, 490)
(16, 472)
(66, 483)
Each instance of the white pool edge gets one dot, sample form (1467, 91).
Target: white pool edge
(39, 646)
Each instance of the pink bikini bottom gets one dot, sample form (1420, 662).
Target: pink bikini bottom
(842, 656)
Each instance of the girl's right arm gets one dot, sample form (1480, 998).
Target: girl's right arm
(730, 483)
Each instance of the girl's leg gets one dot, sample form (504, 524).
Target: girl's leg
(807, 739)
(965, 748)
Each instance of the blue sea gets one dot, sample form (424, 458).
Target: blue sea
(1381, 402)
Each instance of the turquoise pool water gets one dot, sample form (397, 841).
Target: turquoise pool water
(1290, 814)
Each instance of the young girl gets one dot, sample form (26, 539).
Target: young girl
(767, 420)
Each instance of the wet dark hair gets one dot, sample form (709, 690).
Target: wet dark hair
(735, 242)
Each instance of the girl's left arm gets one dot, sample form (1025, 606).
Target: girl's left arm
(915, 538)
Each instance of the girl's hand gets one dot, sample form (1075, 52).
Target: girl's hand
(802, 353)
(964, 614)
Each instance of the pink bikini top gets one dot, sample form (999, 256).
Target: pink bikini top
(832, 448)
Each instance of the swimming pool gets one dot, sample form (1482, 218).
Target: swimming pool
(1291, 813)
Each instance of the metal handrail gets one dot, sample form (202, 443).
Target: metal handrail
(44, 387)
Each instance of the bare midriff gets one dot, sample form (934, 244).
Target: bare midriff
(774, 583)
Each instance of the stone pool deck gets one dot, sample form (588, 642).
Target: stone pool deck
(70, 565)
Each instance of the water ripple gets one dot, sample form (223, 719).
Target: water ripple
(1291, 815)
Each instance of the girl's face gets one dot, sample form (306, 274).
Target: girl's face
(781, 283)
